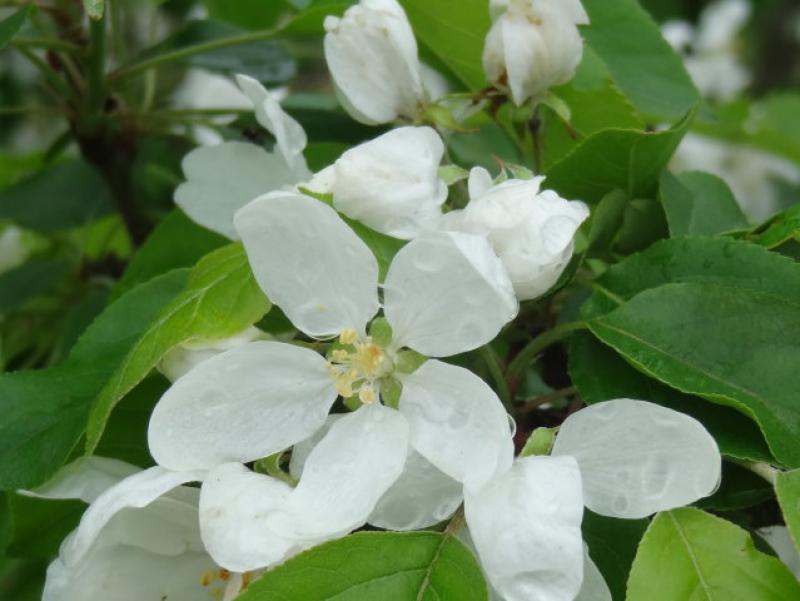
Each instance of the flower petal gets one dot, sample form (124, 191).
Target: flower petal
(235, 505)
(457, 422)
(222, 179)
(289, 135)
(125, 573)
(421, 497)
(403, 164)
(138, 490)
(310, 263)
(526, 526)
(84, 479)
(245, 404)
(447, 293)
(346, 474)
(637, 458)
(594, 587)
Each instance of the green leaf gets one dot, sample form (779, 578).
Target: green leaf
(638, 58)
(10, 26)
(248, 14)
(30, 280)
(616, 159)
(689, 554)
(600, 374)
(740, 488)
(69, 194)
(220, 299)
(94, 8)
(612, 546)
(413, 566)
(732, 346)
(160, 253)
(699, 203)
(454, 31)
(40, 525)
(6, 524)
(44, 412)
(787, 486)
(782, 228)
(607, 218)
(382, 246)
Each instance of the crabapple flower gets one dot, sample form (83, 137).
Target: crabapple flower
(709, 51)
(391, 183)
(531, 230)
(372, 56)
(621, 458)
(130, 546)
(223, 178)
(533, 45)
(444, 293)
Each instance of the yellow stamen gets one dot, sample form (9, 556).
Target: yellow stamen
(366, 394)
(348, 336)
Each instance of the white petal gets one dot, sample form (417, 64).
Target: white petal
(403, 164)
(289, 134)
(526, 525)
(138, 490)
(125, 573)
(421, 497)
(594, 587)
(457, 422)
(310, 263)
(781, 541)
(637, 458)
(222, 179)
(235, 505)
(245, 404)
(346, 474)
(480, 181)
(302, 449)
(447, 293)
(84, 479)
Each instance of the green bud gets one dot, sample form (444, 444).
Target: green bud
(540, 442)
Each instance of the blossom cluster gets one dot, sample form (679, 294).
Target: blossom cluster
(376, 426)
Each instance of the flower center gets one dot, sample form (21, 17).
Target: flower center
(357, 366)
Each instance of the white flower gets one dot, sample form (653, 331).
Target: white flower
(131, 544)
(753, 175)
(533, 45)
(222, 179)
(709, 51)
(372, 56)
(391, 183)
(780, 539)
(620, 458)
(185, 357)
(444, 294)
(14, 249)
(532, 231)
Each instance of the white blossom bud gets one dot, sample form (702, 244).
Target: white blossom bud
(391, 183)
(372, 56)
(532, 231)
(533, 45)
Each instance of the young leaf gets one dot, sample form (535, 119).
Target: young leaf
(44, 412)
(788, 488)
(413, 566)
(689, 554)
(639, 59)
(699, 203)
(616, 159)
(732, 346)
(220, 299)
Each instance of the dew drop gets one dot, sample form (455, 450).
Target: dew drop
(620, 504)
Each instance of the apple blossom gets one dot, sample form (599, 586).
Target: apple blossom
(533, 45)
(531, 230)
(444, 293)
(372, 56)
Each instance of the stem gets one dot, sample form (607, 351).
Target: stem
(58, 85)
(764, 470)
(535, 126)
(176, 55)
(495, 369)
(536, 346)
(556, 395)
(53, 44)
(97, 64)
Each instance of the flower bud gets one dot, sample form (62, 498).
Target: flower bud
(372, 56)
(533, 45)
(391, 183)
(532, 231)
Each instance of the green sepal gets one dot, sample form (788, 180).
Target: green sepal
(271, 466)
(390, 391)
(381, 332)
(540, 442)
(409, 361)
